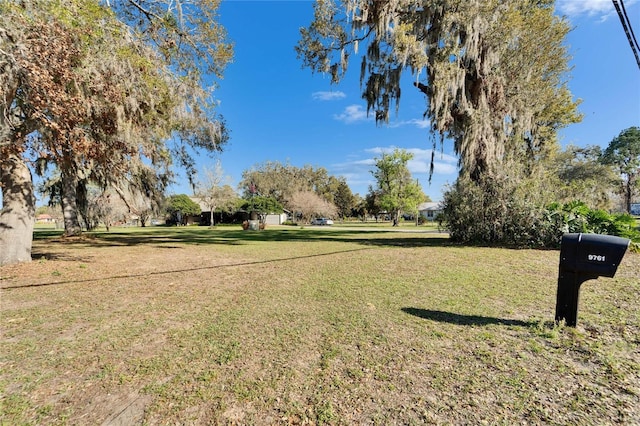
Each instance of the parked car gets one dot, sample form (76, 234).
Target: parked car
(322, 221)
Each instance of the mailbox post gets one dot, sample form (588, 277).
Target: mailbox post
(584, 257)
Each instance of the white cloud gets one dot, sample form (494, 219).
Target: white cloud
(602, 8)
(358, 172)
(354, 165)
(444, 164)
(419, 155)
(418, 166)
(352, 114)
(379, 150)
(359, 182)
(355, 113)
(328, 96)
(441, 166)
(419, 123)
(367, 162)
(444, 168)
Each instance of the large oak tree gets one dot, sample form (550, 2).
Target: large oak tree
(493, 70)
(493, 73)
(100, 101)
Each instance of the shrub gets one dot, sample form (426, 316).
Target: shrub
(497, 212)
(493, 212)
(576, 216)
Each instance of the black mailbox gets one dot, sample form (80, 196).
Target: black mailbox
(584, 257)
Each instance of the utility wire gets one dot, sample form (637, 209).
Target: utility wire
(626, 25)
(624, 11)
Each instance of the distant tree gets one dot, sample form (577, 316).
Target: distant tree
(359, 208)
(372, 203)
(223, 198)
(327, 186)
(213, 191)
(280, 181)
(623, 153)
(344, 199)
(180, 206)
(93, 203)
(273, 179)
(139, 204)
(309, 204)
(581, 176)
(136, 195)
(259, 206)
(399, 192)
(97, 209)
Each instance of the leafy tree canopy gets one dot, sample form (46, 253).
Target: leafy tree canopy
(623, 153)
(345, 201)
(398, 190)
(261, 205)
(103, 100)
(281, 181)
(371, 205)
(581, 175)
(184, 204)
(494, 70)
(308, 204)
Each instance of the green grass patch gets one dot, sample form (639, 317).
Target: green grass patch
(338, 325)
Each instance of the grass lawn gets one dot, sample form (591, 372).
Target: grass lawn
(309, 326)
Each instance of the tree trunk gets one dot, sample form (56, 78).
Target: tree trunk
(144, 217)
(18, 213)
(628, 190)
(69, 204)
(211, 223)
(396, 217)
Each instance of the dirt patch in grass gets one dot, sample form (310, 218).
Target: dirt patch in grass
(199, 326)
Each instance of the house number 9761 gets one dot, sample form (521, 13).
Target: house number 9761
(597, 257)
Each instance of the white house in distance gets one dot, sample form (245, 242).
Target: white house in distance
(270, 219)
(430, 210)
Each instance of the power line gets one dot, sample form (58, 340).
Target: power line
(624, 11)
(626, 25)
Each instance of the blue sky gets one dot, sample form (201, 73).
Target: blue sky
(278, 111)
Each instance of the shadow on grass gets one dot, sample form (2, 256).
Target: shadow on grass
(40, 255)
(204, 236)
(451, 318)
(177, 271)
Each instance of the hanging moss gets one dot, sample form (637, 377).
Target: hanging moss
(494, 70)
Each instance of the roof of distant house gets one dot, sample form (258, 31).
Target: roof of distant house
(430, 206)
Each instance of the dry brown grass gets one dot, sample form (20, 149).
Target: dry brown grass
(304, 326)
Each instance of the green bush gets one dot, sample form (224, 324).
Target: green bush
(576, 216)
(497, 211)
(493, 212)
(179, 207)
